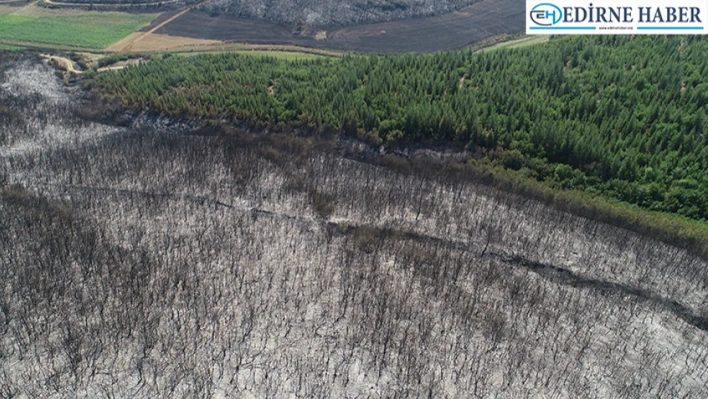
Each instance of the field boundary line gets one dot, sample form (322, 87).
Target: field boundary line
(130, 45)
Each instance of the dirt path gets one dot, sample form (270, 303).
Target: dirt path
(127, 44)
(65, 63)
(68, 65)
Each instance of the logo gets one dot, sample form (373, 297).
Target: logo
(613, 17)
(546, 14)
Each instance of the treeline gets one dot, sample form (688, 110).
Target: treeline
(618, 116)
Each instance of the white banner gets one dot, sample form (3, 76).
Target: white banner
(623, 17)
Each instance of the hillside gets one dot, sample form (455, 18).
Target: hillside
(166, 259)
(593, 114)
(84, 25)
(334, 12)
(481, 21)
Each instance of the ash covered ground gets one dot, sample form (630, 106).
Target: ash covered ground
(336, 12)
(167, 260)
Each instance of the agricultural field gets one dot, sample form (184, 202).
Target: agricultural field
(150, 42)
(162, 18)
(75, 29)
(447, 31)
(185, 30)
(200, 25)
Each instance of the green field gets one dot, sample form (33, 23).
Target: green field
(90, 30)
(9, 47)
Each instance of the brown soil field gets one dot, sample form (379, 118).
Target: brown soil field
(148, 42)
(448, 31)
(126, 41)
(131, 42)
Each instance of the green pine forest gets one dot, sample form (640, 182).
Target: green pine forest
(622, 118)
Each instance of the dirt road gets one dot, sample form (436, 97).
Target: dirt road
(127, 44)
(65, 63)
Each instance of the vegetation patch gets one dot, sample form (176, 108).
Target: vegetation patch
(89, 30)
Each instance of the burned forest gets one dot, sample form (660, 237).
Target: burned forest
(166, 259)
